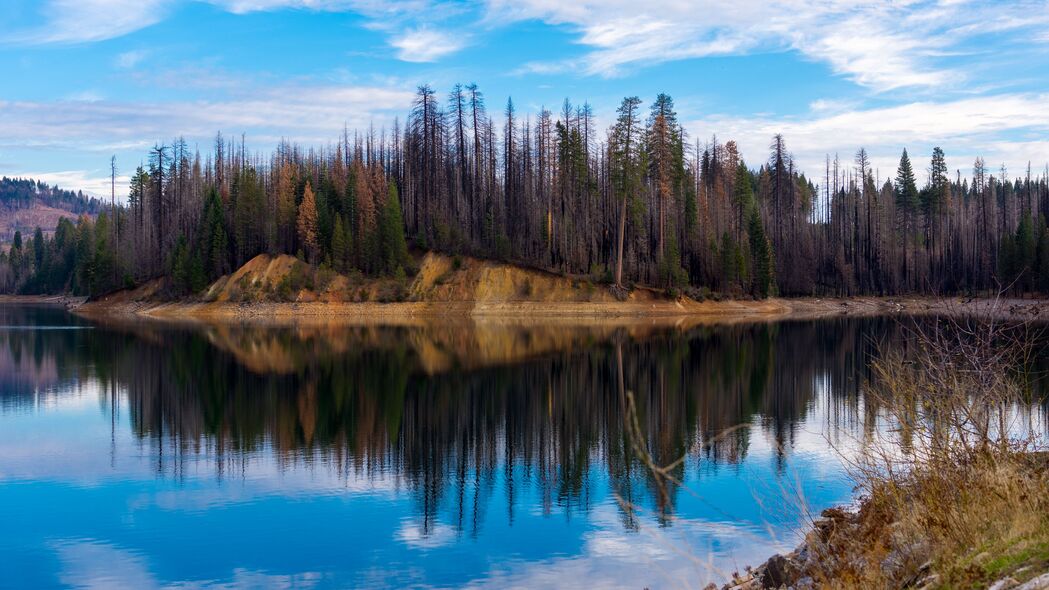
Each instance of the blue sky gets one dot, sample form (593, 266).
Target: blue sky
(87, 79)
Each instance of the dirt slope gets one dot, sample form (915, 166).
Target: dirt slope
(281, 286)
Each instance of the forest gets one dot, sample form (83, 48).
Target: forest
(20, 193)
(640, 203)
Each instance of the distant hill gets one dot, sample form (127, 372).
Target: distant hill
(26, 204)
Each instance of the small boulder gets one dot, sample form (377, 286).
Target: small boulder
(1039, 583)
(779, 571)
(1006, 583)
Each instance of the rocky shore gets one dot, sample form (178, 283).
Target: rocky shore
(807, 567)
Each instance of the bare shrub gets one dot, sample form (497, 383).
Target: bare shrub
(955, 492)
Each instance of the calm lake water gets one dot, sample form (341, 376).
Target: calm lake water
(140, 455)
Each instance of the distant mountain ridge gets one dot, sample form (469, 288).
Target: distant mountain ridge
(26, 204)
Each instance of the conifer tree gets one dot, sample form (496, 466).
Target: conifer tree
(626, 165)
(1042, 256)
(338, 245)
(907, 203)
(729, 268)
(286, 211)
(906, 186)
(742, 197)
(392, 242)
(763, 264)
(307, 223)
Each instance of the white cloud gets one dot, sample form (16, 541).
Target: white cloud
(992, 127)
(299, 112)
(880, 45)
(678, 556)
(412, 534)
(372, 8)
(426, 45)
(826, 105)
(98, 565)
(91, 182)
(85, 96)
(395, 18)
(130, 59)
(83, 21)
(92, 131)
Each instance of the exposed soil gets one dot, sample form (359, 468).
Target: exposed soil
(457, 287)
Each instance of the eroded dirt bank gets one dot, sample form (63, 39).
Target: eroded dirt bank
(281, 289)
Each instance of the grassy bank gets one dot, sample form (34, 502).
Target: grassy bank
(953, 479)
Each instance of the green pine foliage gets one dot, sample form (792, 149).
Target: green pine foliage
(392, 243)
(762, 260)
(906, 186)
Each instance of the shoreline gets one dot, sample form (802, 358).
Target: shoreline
(678, 311)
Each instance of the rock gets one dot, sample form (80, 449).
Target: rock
(745, 583)
(1039, 583)
(806, 583)
(779, 571)
(1005, 583)
(929, 582)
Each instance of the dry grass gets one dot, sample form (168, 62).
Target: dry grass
(952, 471)
(955, 485)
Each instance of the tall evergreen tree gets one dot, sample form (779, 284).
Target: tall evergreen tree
(307, 223)
(762, 260)
(393, 244)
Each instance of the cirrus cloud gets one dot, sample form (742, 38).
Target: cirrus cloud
(426, 45)
(879, 45)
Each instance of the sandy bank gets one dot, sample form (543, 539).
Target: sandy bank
(681, 311)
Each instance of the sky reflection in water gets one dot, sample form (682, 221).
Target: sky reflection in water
(491, 456)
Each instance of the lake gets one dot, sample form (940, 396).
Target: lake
(488, 454)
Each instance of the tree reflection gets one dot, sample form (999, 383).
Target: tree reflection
(438, 413)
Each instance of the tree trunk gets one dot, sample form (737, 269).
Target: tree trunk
(620, 239)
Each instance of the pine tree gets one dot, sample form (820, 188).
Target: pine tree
(15, 256)
(38, 248)
(179, 267)
(213, 241)
(1025, 250)
(219, 251)
(729, 268)
(939, 184)
(1042, 256)
(392, 242)
(664, 166)
(286, 212)
(103, 257)
(1007, 267)
(196, 279)
(624, 151)
(761, 256)
(307, 223)
(906, 186)
(907, 202)
(338, 245)
(742, 196)
(670, 271)
(249, 215)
